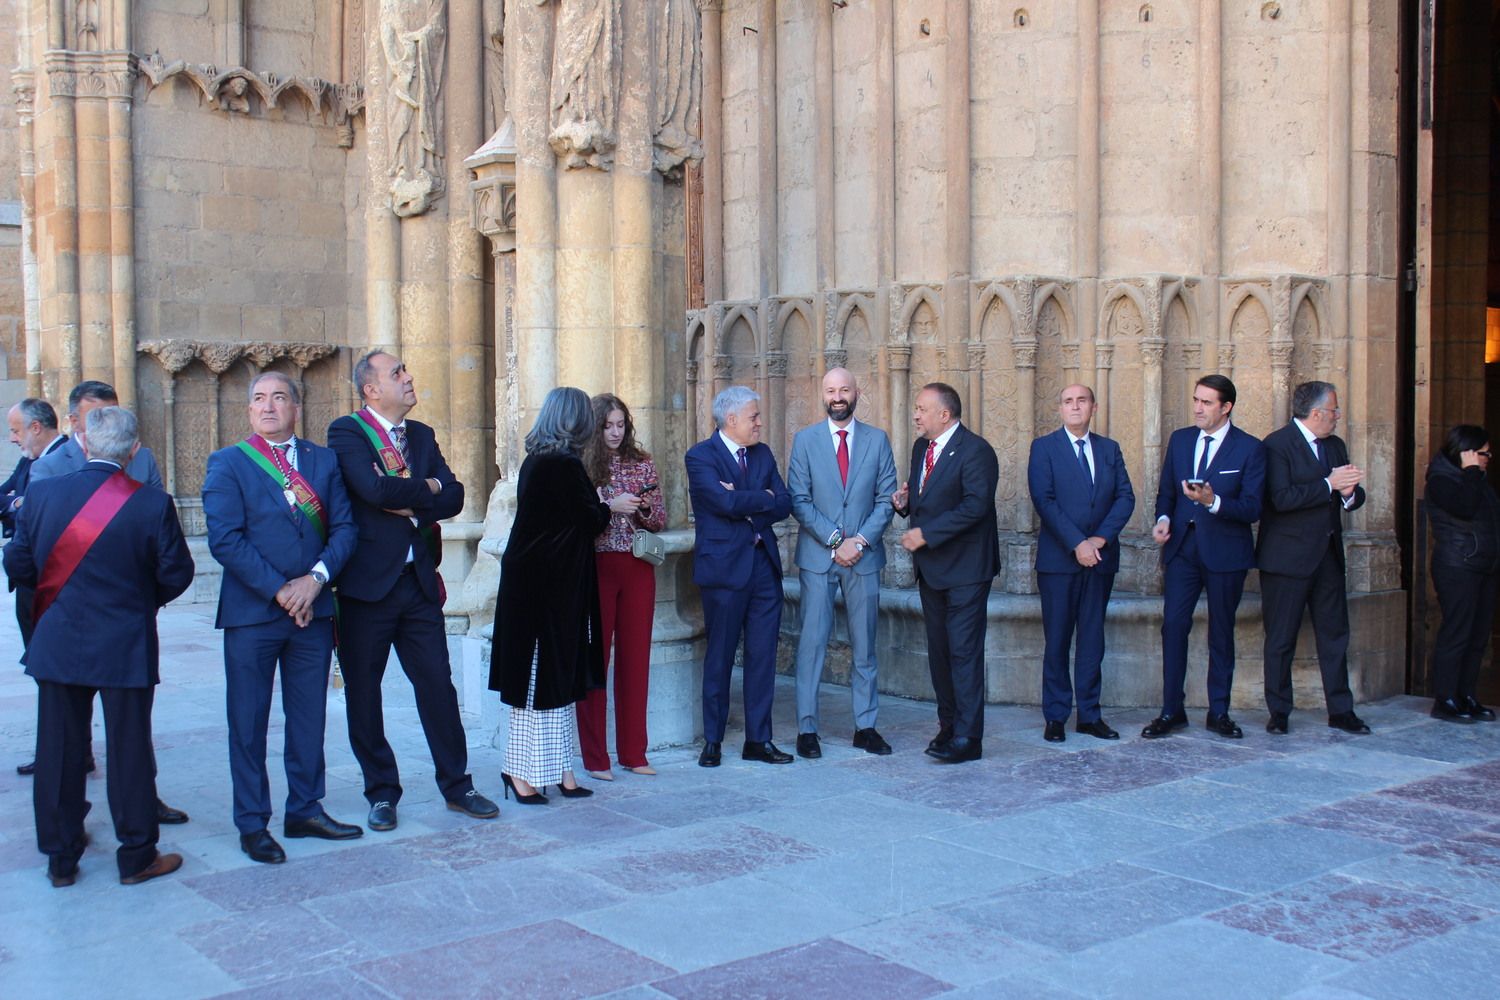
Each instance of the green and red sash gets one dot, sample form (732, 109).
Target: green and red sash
(294, 486)
(394, 465)
(79, 536)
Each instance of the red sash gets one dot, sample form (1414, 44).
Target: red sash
(79, 536)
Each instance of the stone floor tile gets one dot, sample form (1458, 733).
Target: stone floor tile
(1459, 965)
(1393, 768)
(1098, 771)
(1439, 741)
(665, 863)
(1013, 988)
(551, 959)
(1064, 838)
(275, 942)
(820, 970)
(1077, 911)
(1197, 755)
(143, 964)
(983, 794)
(329, 984)
(472, 845)
(855, 821)
(1263, 857)
(1200, 805)
(1349, 918)
(354, 867)
(945, 946)
(1391, 819)
(679, 807)
(720, 922)
(1481, 795)
(903, 876)
(1190, 959)
(576, 822)
(1291, 776)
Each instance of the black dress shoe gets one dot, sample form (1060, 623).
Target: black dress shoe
(61, 874)
(710, 755)
(1054, 732)
(165, 814)
(958, 750)
(475, 805)
(1224, 726)
(1277, 724)
(765, 752)
(942, 739)
(870, 741)
(1098, 729)
(27, 768)
(382, 816)
(322, 826)
(262, 847)
(1348, 722)
(1163, 725)
(1449, 710)
(1478, 711)
(808, 746)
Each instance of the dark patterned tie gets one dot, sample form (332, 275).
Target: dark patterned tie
(1208, 444)
(1083, 460)
(1322, 455)
(744, 466)
(398, 438)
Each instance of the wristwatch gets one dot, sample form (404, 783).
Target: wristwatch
(320, 576)
(836, 539)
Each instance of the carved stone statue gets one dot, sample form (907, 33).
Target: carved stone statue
(586, 82)
(414, 106)
(679, 64)
(494, 65)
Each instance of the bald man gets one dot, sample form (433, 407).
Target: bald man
(841, 478)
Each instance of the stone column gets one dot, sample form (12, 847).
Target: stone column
(1210, 171)
(1281, 349)
(713, 155)
(57, 235)
(958, 225)
(823, 123)
(528, 55)
(1025, 355)
(122, 228)
(898, 363)
(1087, 173)
(382, 228)
(1153, 352)
(1104, 363)
(24, 86)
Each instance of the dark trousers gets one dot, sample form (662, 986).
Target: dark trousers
(1185, 579)
(413, 623)
(753, 611)
(251, 656)
(956, 620)
(24, 598)
(1282, 599)
(64, 712)
(1468, 602)
(627, 602)
(1073, 603)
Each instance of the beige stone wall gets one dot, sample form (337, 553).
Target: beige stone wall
(12, 299)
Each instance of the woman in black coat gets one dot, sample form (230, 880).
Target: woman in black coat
(547, 649)
(1465, 514)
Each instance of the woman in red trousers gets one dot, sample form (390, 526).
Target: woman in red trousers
(627, 482)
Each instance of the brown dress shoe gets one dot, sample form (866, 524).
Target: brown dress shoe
(164, 864)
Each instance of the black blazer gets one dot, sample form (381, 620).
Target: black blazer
(1301, 515)
(956, 512)
(13, 487)
(384, 538)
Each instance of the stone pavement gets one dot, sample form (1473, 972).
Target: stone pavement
(1316, 865)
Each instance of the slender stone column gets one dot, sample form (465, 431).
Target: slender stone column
(528, 52)
(826, 261)
(1210, 172)
(713, 157)
(24, 85)
(1087, 172)
(1153, 352)
(898, 363)
(58, 231)
(957, 207)
(382, 228)
(122, 233)
(767, 202)
(1104, 363)
(1025, 355)
(1339, 30)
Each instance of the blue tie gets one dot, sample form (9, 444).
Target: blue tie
(1083, 460)
(1202, 472)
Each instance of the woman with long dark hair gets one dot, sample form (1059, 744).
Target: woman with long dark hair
(1465, 514)
(627, 481)
(547, 649)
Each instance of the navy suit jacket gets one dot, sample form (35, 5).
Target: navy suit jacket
(384, 539)
(1071, 508)
(956, 512)
(69, 457)
(727, 522)
(1302, 514)
(1237, 472)
(101, 629)
(262, 542)
(13, 487)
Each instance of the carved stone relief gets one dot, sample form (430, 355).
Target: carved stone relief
(413, 37)
(586, 65)
(494, 65)
(1051, 374)
(678, 85)
(1250, 333)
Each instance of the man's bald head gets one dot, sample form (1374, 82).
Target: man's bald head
(840, 395)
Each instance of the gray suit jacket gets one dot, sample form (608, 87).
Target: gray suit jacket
(821, 503)
(69, 458)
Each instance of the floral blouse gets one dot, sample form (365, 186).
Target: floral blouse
(630, 477)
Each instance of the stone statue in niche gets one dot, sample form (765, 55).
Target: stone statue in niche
(413, 105)
(494, 65)
(679, 74)
(586, 83)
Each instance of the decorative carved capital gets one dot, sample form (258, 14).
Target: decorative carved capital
(1281, 354)
(692, 371)
(304, 355)
(1025, 351)
(976, 356)
(23, 85)
(723, 366)
(218, 357)
(173, 355)
(1192, 355)
(1153, 350)
(261, 354)
(776, 363)
(835, 357)
(494, 209)
(898, 357)
(1070, 357)
(1226, 357)
(1104, 355)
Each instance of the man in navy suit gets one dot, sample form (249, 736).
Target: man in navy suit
(954, 540)
(841, 477)
(104, 553)
(1081, 491)
(33, 429)
(279, 522)
(1310, 483)
(737, 495)
(389, 593)
(68, 457)
(1207, 498)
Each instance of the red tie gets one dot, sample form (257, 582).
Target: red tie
(844, 457)
(928, 462)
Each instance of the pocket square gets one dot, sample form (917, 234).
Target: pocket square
(1225, 472)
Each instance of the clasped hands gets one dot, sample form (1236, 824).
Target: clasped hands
(296, 598)
(1087, 552)
(1343, 479)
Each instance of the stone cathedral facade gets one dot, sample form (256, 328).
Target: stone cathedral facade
(664, 197)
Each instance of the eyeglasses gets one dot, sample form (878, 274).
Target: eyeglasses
(1483, 454)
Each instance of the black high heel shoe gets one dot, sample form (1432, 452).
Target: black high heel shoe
(534, 799)
(576, 792)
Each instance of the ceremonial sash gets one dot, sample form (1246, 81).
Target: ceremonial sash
(395, 465)
(298, 491)
(79, 536)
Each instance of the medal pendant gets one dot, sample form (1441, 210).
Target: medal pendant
(291, 497)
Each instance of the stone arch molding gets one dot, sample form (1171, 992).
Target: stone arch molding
(907, 299)
(843, 306)
(786, 308)
(231, 89)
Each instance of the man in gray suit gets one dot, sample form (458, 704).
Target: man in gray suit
(841, 478)
(69, 457)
